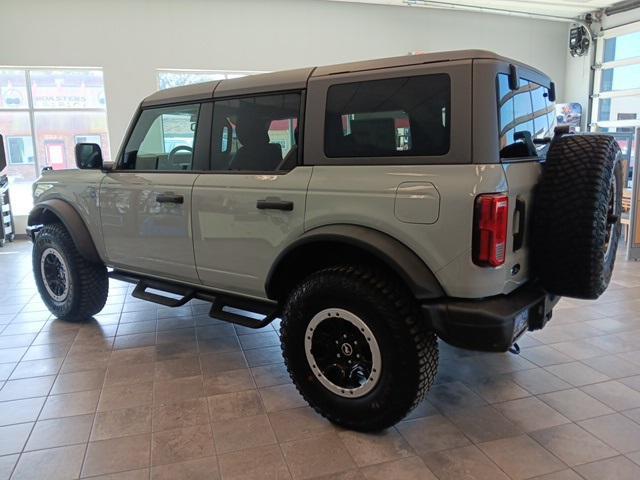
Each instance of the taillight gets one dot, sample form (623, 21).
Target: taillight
(490, 229)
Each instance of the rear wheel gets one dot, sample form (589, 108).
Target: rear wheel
(70, 286)
(357, 348)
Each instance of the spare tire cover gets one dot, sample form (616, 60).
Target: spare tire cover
(576, 224)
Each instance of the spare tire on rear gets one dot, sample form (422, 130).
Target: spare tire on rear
(576, 224)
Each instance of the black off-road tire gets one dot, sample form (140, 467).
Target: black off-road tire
(576, 215)
(409, 350)
(88, 282)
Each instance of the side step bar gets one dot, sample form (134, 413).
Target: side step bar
(241, 308)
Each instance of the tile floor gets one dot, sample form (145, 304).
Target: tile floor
(146, 392)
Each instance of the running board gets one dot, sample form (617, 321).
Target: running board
(141, 292)
(242, 306)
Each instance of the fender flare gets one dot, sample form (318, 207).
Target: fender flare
(71, 220)
(398, 257)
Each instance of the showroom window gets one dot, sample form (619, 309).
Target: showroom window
(43, 114)
(403, 116)
(616, 91)
(169, 78)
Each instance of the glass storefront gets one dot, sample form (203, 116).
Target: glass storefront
(43, 114)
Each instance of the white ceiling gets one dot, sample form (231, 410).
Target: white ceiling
(562, 8)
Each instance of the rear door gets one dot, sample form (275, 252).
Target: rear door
(145, 203)
(252, 202)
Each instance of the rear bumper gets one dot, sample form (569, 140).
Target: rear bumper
(490, 324)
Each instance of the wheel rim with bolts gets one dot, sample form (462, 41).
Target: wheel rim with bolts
(612, 217)
(55, 274)
(343, 353)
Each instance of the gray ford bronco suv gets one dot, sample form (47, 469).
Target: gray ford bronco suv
(372, 206)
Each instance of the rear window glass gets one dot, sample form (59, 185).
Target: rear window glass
(526, 110)
(408, 116)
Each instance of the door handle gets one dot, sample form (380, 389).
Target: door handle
(169, 198)
(269, 204)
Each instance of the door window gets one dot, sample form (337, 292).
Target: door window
(163, 139)
(407, 116)
(257, 134)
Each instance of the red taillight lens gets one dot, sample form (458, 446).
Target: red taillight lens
(490, 230)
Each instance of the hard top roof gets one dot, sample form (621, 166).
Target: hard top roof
(297, 79)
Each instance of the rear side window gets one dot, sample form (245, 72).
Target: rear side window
(526, 110)
(163, 139)
(408, 116)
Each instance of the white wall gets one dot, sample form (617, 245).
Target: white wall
(131, 39)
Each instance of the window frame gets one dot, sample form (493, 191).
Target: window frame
(301, 128)
(200, 139)
(599, 66)
(460, 73)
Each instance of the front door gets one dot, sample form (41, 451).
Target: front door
(252, 203)
(145, 203)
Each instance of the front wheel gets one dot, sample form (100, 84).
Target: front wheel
(70, 286)
(357, 347)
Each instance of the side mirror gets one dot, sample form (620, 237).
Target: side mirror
(88, 156)
(514, 77)
(3, 159)
(552, 92)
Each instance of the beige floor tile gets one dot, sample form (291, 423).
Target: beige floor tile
(463, 463)
(218, 344)
(575, 404)
(70, 404)
(26, 388)
(258, 340)
(59, 463)
(199, 469)
(618, 468)
(125, 396)
(298, 423)
(270, 375)
(177, 368)
(59, 432)
(79, 381)
(572, 444)
(316, 456)
(562, 475)
(129, 374)
(242, 433)
(544, 355)
(181, 444)
(13, 437)
(371, 448)
(18, 411)
(521, 457)
(538, 381)
(412, 468)
(228, 382)
(186, 413)
(449, 396)
(531, 414)
(281, 397)
(613, 366)
(37, 368)
(117, 455)
(213, 363)
(615, 430)
(424, 409)
(263, 463)
(615, 395)
(7, 463)
(577, 373)
(263, 356)
(483, 424)
(173, 391)
(121, 423)
(499, 389)
(431, 434)
(235, 405)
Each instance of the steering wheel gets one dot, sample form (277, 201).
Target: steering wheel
(177, 149)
